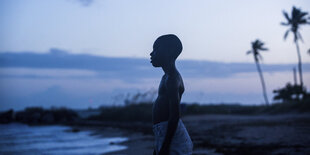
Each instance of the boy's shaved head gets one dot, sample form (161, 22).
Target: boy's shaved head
(166, 49)
(170, 43)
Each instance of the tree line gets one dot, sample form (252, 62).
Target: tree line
(295, 92)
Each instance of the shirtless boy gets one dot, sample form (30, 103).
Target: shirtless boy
(171, 137)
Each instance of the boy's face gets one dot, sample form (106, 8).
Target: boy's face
(158, 55)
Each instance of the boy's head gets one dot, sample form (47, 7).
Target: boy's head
(166, 48)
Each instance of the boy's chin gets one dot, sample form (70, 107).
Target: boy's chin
(155, 65)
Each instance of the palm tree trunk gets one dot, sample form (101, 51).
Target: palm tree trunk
(295, 77)
(262, 81)
(299, 64)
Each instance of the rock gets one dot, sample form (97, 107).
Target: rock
(48, 118)
(35, 118)
(6, 117)
(75, 130)
(37, 115)
(21, 117)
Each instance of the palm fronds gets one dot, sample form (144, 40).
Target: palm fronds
(294, 21)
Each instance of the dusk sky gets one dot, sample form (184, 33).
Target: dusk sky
(91, 33)
(210, 30)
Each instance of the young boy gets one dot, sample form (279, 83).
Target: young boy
(171, 136)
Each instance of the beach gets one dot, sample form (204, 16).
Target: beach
(236, 134)
(211, 134)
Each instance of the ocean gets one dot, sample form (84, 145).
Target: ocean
(23, 139)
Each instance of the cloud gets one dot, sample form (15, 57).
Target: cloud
(120, 68)
(34, 73)
(63, 79)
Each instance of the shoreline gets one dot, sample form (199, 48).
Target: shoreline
(230, 134)
(137, 142)
(214, 134)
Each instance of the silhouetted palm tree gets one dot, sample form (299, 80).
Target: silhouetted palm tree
(257, 46)
(297, 18)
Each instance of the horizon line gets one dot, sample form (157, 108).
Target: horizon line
(139, 57)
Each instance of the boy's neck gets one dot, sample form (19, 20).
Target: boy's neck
(170, 68)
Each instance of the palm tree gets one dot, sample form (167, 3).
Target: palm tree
(297, 19)
(257, 46)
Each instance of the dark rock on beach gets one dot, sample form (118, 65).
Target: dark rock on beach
(6, 117)
(40, 116)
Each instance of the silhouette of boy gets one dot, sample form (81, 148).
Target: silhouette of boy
(171, 136)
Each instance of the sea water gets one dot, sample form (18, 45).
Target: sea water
(24, 139)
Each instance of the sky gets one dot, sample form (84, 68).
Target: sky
(60, 78)
(209, 30)
(88, 53)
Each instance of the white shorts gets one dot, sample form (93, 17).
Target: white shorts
(181, 143)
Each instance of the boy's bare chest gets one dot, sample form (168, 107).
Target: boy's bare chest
(162, 90)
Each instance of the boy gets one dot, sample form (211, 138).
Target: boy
(171, 136)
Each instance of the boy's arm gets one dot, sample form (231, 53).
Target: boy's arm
(174, 113)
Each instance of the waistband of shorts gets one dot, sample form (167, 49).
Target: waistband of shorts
(162, 123)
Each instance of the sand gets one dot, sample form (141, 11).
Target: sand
(229, 134)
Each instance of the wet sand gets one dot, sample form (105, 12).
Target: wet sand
(264, 134)
(231, 134)
(137, 143)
